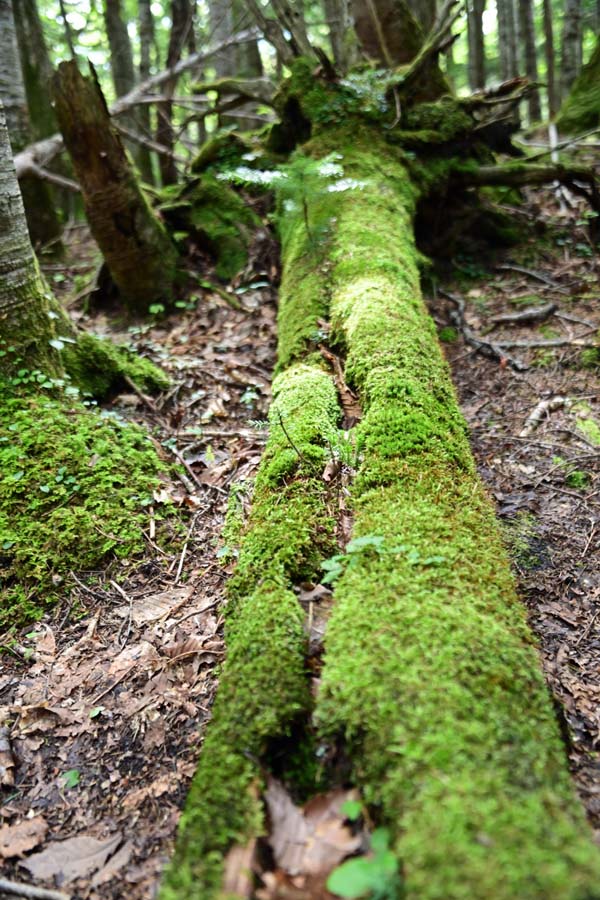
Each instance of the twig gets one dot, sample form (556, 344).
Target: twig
(540, 411)
(185, 547)
(527, 316)
(285, 431)
(538, 276)
(29, 890)
(486, 348)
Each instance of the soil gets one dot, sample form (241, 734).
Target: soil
(106, 701)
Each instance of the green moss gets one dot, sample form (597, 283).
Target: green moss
(430, 670)
(74, 485)
(264, 686)
(225, 148)
(590, 358)
(210, 211)
(581, 109)
(448, 334)
(99, 367)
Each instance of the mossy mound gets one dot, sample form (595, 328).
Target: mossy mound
(581, 109)
(216, 216)
(74, 485)
(98, 367)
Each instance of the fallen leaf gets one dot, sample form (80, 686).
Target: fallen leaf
(73, 858)
(310, 840)
(116, 862)
(15, 840)
(156, 606)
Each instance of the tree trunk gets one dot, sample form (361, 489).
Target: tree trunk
(424, 12)
(507, 39)
(123, 76)
(549, 56)
(475, 9)
(42, 219)
(527, 29)
(181, 22)
(570, 45)
(337, 15)
(25, 323)
(137, 250)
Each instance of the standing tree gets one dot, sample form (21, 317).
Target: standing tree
(475, 10)
(570, 45)
(549, 56)
(137, 250)
(580, 110)
(527, 31)
(181, 28)
(42, 219)
(507, 39)
(431, 701)
(123, 75)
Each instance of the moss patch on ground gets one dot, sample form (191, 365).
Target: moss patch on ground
(74, 485)
(264, 684)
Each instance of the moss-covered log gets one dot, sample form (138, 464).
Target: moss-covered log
(138, 252)
(431, 675)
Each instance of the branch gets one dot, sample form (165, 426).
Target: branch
(43, 151)
(137, 138)
(261, 90)
(522, 174)
(54, 178)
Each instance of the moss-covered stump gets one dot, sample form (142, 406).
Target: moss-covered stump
(430, 670)
(580, 111)
(74, 487)
(212, 213)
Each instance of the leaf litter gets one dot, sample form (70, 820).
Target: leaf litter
(103, 703)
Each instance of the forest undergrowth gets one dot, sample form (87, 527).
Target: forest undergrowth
(105, 699)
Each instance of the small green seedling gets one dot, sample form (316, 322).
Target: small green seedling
(375, 876)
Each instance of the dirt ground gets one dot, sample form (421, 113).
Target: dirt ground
(105, 702)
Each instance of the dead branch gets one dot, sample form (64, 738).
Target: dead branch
(438, 40)
(541, 411)
(261, 90)
(40, 153)
(137, 138)
(551, 342)
(273, 32)
(54, 178)
(486, 348)
(29, 890)
(532, 273)
(522, 174)
(529, 316)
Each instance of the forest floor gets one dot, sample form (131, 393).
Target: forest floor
(109, 696)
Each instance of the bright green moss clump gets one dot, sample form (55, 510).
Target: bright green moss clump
(99, 367)
(73, 487)
(581, 109)
(264, 686)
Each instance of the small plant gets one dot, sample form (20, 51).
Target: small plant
(376, 876)
(375, 544)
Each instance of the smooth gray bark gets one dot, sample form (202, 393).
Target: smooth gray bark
(527, 29)
(570, 45)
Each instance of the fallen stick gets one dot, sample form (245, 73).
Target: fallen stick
(531, 315)
(487, 348)
(543, 409)
(29, 890)
(538, 276)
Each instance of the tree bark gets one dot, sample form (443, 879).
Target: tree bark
(580, 110)
(137, 250)
(25, 323)
(528, 44)
(570, 45)
(181, 22)
(42, 219)
(550, 61)
(123, 76)
(144, 113)
(475, 9)
(507, 39)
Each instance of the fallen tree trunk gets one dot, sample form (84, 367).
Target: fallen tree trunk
(431, 687)
(138, 252)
